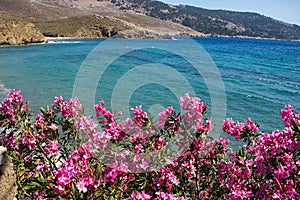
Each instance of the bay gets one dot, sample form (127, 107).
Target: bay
(259, 76)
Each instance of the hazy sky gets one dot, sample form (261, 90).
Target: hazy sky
(284, 10)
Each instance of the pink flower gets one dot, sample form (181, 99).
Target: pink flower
(145, 164)
(12, 105)
(163, 116)
(63, 177)
(194, 107)
(52, 148)
(204, 127)
(85, 182)
(39, 196)
(100, 110)
(67, 108)
(139, 115)
(59, 189)
(287, 115)
(86, 125)
(81, 186)
(281, 173)
(139, 196)
(57, 101)
(99, 140)
(52, 127)
(114, 131)
(167, 175)
(159, 142)
(139, 148)
(233, 129)
(28, 141)
(40, 121)
(111, 173)
(251, 126)
(166, 196)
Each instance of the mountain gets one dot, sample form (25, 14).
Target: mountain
(214, 22)
(142, 19)
(91, 19)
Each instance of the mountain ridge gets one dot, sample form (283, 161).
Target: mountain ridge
(143, 19)
(91, 19)
(215, 22)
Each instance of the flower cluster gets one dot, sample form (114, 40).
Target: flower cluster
(139, 115)
(13, 104)
(76, 169)
(64, 154)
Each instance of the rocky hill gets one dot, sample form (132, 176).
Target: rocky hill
(214, 22)
(135, 19)
(91, 19)
(116, 25)
(14, 30)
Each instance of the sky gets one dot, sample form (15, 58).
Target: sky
(284, 10)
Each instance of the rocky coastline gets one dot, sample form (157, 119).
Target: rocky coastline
(16, 31)
(19, 31)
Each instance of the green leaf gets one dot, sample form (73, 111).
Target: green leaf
(111, 198)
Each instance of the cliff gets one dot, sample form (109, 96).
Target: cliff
(8, 187)
(15, 31)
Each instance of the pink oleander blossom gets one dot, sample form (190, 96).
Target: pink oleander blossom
(100, 110)
(139, 115)
(139, 196)
(251, 126)
(85, 183)
(40, 121)
(233, 129)
(57, 101)
(163, 116)
(159, 142)
(39, 196)
(168, 175)
(12, 105)
(194, 107)
(166, 196)
(64, 177)
(111, 172)
(75, 156)
(52, 148)
(86, 125)
(204, 127)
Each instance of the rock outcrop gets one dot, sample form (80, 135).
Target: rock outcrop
(16, 31)
(8, 187)
(95, 32)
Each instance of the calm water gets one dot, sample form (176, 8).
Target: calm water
(260, 76)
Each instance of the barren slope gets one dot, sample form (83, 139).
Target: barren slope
(91, 19)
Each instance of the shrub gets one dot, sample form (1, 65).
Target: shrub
(62, 153)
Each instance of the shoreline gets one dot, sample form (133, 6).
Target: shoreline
(253, 38)
(171, 38)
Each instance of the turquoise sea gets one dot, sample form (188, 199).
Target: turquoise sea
(259, 76)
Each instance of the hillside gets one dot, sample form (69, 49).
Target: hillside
(91, 19)
(106, 26)
(142, 19)
(14, 30)
(214, 22)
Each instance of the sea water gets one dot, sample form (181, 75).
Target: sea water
(259, 76)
